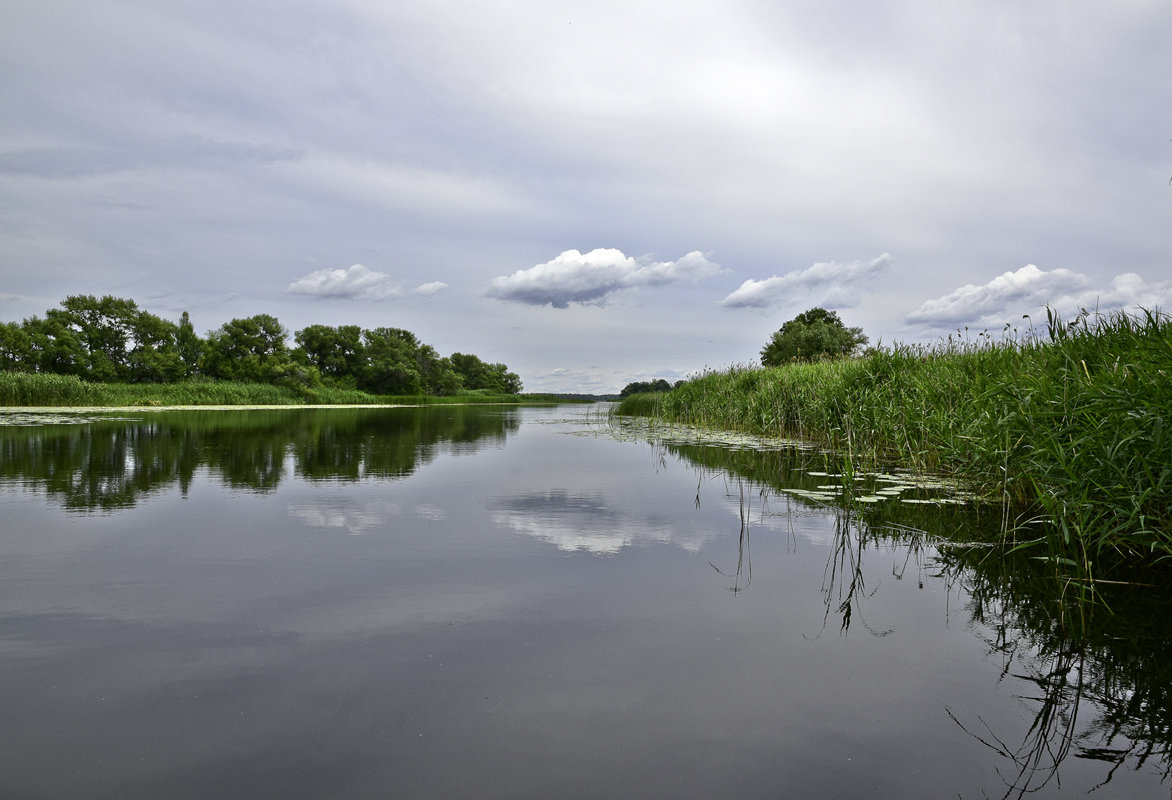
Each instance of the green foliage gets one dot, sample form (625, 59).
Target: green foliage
(1072, 430)
(390, 366)
(111, 340)
(189, 345)
(253, 350)
(15, 348)
(338, 353)
(476, 374)
(641, 387)
(812, 335)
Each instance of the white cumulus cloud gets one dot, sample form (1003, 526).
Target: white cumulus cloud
(430, 288)
(834, 283)
(1029, 289)
(589, 278)
(355, 283)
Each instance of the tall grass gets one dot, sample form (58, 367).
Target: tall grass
(1072, 428)
(24, 389)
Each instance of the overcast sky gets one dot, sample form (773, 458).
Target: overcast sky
(590, 192)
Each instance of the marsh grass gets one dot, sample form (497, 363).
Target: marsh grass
(1068, 430)
(25, 389)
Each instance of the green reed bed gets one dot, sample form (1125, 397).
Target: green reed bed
(28, 389)
(1071, 429)
(23, 389)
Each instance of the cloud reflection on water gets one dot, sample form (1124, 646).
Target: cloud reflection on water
(586, 522)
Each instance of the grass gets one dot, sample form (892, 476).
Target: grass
(25, 389)
(1070, 429)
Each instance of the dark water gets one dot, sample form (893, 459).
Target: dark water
(514, 603)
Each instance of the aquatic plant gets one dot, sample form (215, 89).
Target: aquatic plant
(1065, 428)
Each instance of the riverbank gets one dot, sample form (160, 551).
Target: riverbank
(38, 390)
(1072, 429)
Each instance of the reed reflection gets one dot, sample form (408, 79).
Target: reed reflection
(1098, 675)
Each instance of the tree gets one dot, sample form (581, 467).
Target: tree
(190, 346)
(436, 373)
(338, 353)
(16, 353)
(153, 356)
(640, 387)
(54, 347)
(250, 349)
(476, 374)
(811, 335)
(391, 366)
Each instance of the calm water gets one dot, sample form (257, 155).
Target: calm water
(517, 603)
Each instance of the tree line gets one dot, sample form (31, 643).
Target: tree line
(110, 339)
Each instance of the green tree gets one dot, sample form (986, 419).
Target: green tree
(54, 346)
(153, 355)
(190, 346)
(391, 366)
(436, 373)
(103, 328)
(250, 349)
(476, 374)
(338, 353)
(639, 387)
(16, 354)
(811, 335)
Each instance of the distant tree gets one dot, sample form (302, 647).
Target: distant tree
(338, 353)
(190, 346)
(97, 333)
(16, 353)
(391, 366)
(476, 374)
(54, 346)
(640, 387)
(251, 349)
(153, 352)
(811, 335)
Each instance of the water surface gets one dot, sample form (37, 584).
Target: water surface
(505, 602)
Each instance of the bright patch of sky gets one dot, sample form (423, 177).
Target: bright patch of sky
(592, 193)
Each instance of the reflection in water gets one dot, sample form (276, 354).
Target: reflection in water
(1099, 677)
(527, 641)
(110, 463)
(355, 521)
(583, 521)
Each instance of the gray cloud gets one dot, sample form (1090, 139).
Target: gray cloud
(355, 283)
(590, 278)
(826, 282)
(196, 151)
(1027, 290)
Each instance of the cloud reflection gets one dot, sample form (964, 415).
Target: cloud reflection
(586, 522)
(356, 521)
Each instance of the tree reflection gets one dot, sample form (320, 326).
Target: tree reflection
(106, 464)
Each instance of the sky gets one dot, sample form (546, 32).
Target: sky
(593, 193)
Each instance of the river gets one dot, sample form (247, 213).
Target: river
(503, 602)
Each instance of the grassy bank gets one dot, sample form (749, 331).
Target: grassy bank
(1073, 429)
(23, 389)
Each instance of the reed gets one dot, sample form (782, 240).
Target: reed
(1069, 428)
(28, 389)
